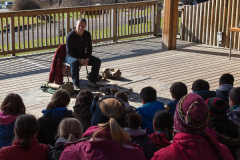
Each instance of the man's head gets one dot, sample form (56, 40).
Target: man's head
(81, 25)
(234, 97)
(226, 79)
(148, 94)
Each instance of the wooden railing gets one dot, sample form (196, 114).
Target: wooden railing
(44, 29)
(200, 23)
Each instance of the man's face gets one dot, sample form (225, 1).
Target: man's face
(80, 27)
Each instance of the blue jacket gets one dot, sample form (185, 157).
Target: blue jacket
(171, 106)
(6, 134)
(147, 112)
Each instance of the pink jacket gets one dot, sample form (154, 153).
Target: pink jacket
(187, 146)
(102, 149)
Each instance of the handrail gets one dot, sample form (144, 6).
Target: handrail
(24, 31)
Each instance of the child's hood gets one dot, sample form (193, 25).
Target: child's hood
(6, 119)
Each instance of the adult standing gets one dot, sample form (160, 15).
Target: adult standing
(79, 53)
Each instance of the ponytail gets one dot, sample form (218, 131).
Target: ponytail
(72, 138)
(118, 134)
(52, 104)
(213, 145)
(25, 143)
(168, 133)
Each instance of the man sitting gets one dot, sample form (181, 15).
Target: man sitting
(79, 53)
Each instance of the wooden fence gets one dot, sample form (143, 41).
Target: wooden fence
(26, 31)
(201, 22)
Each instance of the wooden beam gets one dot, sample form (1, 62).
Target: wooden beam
(170, 24)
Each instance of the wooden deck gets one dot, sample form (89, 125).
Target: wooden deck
(143, 63)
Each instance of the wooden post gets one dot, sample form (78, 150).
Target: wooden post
(12, 35)
(170, 24)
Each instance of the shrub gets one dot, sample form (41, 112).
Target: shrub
(25, 5)
(71, 3)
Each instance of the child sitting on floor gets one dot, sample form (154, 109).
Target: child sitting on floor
(234, 104)
(201, 88)
(11, 107)
(25, 145)
(225, 85)
(69, 130)
(150, 106)
(228, 132)
(163, 126)
(52, 116)
(137, 135)
(177, 90)
(82, 108)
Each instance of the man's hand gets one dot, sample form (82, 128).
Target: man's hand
(84, 62)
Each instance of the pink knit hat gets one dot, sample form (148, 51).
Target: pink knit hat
(191, 115)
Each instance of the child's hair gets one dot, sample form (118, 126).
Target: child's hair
(234, 95)
(60, 98)
(163, 122)
(13, 105)
(70, 129)
(148, 94)
(122, 95)
(84, 97)
(178, 90)
(133, 120)
(26, 126)
(226, 78)
(200, 85)
(114, 109)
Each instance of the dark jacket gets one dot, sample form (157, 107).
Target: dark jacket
(222, 92)
(205, 94)
(228, 132)
(84, 115)
(48, 126)
(160, 139)
(171, 106)
(77, 46)
(56, 151)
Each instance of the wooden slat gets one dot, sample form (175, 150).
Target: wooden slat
(7, 34)
(18, 24)
(134, 21)
(221, 3)
(2, 43)
(58, 28)
(62, 28)
(154, 18)
(54, 29)
(46, 32)
(228, 24)
(114, 22)
(212, 21)
(137, 20)
(118, 21)
(147, 19)
(38, 30)
(95, 24)
(12, 31)
(237, 37)
(201, 23)
(233, 21)
(73, 21)
(209, 22)
(99, 16)
(111, 16)
(88, 22)
(205, 17)
(107, 26)
(186, 23)
(32, 32)
(216, 23)
(182, 22)
(224, 26)
(125, 21)
(42, 30)
(103, 23)
(190, 23)
(121, 27)
(197, 22)
(92, 22)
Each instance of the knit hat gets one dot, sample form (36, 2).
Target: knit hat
(191, 115)
(217, 106)
(99, 117)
